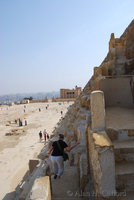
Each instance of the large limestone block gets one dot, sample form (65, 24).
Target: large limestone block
(97, 72)
(117, 92)
(40, 172)
(102, 163)
(111, 68)
(83, 101)
(41, 189)
(96, 84)
(97, 111)
(104, 69)
(87, 104)
(32, 164)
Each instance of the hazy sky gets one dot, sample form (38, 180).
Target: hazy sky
(46, 45)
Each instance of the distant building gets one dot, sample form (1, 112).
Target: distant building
(70, 94)
(24, 101)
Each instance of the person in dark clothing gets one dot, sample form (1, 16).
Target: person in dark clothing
(40, 135)
(47, 136)
(56, 156)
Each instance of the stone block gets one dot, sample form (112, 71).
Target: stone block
(97, 111)
(33, 164)
(97, 72)
(83, 100)
(112, 133)
(111, 68)
(102, 164)
(96, 84)
(87, 104)
(104, 69)
(41, 171)
(41, 189)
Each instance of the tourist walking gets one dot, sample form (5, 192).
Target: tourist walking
(40, 135)
(45, 134)
(57, 155)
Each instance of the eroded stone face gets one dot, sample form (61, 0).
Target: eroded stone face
(97, 111)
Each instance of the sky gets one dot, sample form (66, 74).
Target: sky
(46, 45)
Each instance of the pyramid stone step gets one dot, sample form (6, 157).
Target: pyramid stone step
(120, 134)
(124, 176)
(124, 150)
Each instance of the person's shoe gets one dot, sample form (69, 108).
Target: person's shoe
(55, 176)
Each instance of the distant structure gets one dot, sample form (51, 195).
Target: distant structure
(46, 99)
(70, 94)
(25, 101)
(53, 99)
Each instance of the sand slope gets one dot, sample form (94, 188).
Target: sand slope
(16, 150)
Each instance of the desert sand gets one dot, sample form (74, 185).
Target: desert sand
(16, 150)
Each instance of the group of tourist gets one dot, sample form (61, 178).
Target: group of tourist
(46, 135)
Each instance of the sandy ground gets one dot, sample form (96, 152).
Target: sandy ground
(16, 150)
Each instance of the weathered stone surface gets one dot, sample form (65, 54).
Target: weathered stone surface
(97, 111)
(75, 111)
(83, 171)
(32, 164)
(72, 157)
(104, 69)
(41, 189)
(102, 163)
(81, 132)
(97, 84)
(131, 133)
(41, 171)
(112, 133)
(117, 92)
(83, 101)
(101, 139)
(97, 72)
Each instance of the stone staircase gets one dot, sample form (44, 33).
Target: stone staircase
(124, 163)
(67, 187)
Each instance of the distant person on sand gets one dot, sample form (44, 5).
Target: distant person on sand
(56, 156)
(40, 135)
(45, 134)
